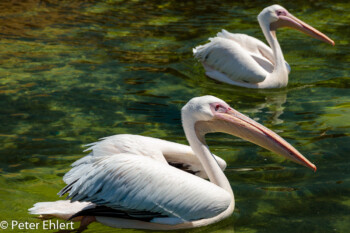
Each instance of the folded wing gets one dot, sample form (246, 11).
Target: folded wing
(240, 57)
(177, 155)
(134, 183)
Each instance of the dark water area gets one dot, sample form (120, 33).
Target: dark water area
(72, 72)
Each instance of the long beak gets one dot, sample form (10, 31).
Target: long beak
(291, 21)
(237, 124)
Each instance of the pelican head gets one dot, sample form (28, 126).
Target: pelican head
(276, 16)
(208, 114)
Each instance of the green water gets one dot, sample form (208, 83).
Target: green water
(75, 71)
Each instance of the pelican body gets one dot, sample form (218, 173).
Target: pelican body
(131, 181)
(245, 61)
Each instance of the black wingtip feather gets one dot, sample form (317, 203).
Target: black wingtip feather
(109, 212)
(67, 188)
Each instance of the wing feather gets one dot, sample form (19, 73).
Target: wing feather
(228, 57)
(137, 183)
(240, 57)
(104, 211)
(258, 49)
(164, 151)
(249, 43)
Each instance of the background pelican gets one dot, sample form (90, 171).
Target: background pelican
(244, 61)
(127, 181)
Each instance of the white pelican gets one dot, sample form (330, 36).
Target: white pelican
(128, 181)
(242, 60)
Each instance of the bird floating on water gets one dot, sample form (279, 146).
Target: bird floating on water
(131, 181)
(245, 61)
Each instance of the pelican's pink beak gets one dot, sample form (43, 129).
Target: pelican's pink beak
(288, 20)
(237, 124)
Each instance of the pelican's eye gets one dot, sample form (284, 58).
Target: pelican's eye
(220, 108)
(281, 12)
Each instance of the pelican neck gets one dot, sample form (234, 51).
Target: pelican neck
(280, 69)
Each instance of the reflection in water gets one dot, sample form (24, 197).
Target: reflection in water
(274, 107)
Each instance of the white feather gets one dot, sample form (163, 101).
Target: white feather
(63, 209)
(157, 149)
(228, 57)
(132, 182)
(236, 59)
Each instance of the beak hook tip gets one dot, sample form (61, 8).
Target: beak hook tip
(314, 167)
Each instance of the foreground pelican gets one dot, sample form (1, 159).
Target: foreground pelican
(128, 181)
(242, 60)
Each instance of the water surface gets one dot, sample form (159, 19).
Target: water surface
(72, 72)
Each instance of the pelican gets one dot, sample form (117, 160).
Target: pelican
(131, 181)
(245, 61)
